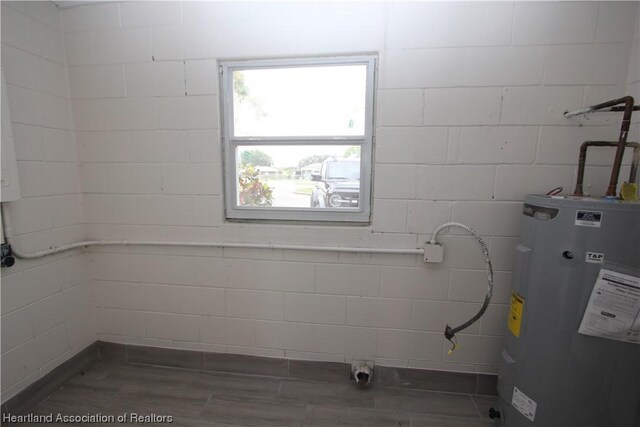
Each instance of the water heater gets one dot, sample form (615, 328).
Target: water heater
(572, 346)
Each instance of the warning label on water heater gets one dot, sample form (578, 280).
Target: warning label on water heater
(588, 218)
(515, 314)
(594, 258)
(613, 311)
(524, 404)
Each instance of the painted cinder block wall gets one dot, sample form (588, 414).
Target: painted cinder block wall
(468, 121)
(47, 307)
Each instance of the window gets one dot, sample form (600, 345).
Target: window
(298, 138)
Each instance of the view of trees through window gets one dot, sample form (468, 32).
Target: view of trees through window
(293, 176)
(298, 138)
(274, 102)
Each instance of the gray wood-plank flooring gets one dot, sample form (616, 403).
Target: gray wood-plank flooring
(196, 398)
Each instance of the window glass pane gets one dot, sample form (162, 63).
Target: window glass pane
(294, 176)
(300, 101)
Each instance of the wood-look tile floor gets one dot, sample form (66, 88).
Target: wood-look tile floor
(196, 398)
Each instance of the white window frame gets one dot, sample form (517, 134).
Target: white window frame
(230, 142)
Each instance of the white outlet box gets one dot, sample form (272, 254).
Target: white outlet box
(433, 252)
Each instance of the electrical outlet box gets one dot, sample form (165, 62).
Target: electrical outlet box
(433, 252)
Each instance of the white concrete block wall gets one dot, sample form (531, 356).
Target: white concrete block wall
(47, 306)
(468, 121)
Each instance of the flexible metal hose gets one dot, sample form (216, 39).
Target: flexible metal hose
(450, 332)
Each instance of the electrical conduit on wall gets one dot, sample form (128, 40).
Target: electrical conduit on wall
(449, 331)
(87, 243)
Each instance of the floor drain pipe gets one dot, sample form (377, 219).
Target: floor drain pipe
(362, 372)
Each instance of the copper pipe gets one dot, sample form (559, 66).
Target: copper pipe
(624, 131)
(583, 159)
(635, 108)
(626, 100)
(588, 110)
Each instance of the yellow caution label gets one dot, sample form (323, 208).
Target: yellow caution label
(515, 314)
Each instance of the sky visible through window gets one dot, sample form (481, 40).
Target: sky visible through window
(307, 101)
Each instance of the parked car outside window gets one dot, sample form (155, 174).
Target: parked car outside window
(337, 184)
